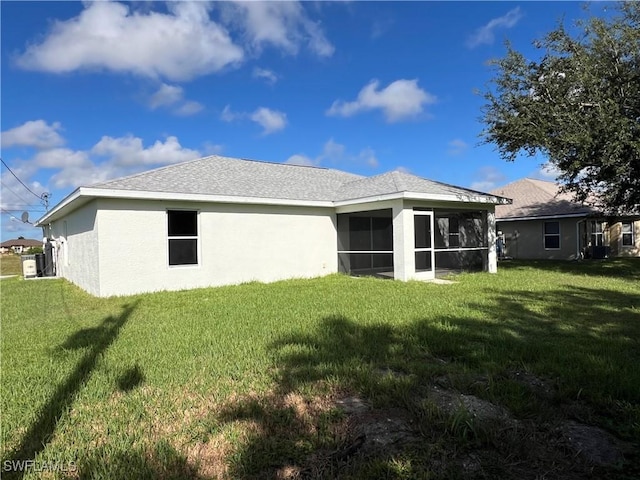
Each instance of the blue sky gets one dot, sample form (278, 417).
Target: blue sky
(93, 91)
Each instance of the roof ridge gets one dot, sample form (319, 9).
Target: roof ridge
(153, 170)
(221, 157)
(394, 177)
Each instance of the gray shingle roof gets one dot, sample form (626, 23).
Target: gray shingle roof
(537, 198)
(393, 182)
(216, 175)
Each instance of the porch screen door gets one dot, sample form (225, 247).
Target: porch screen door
(424, 253)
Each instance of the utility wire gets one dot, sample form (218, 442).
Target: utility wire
(20, 197)
(21, 182)
(11, 214)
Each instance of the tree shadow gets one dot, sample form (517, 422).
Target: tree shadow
(163, 461)
(97, 340)
(130, 379)
(624, 268)
(570, 335)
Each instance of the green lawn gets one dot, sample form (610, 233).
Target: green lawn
(241, 382)
(10, 264)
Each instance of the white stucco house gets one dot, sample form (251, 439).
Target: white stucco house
(220, 221)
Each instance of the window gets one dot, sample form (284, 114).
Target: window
(183, 237)
(627, 234)
(551, 235)
(597, 236)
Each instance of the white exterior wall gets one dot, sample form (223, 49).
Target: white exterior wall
(77, 256)
(237, 243)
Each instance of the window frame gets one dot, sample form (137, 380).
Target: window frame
(546, 235)
(595, 234)
(631, 234)
(195, 237)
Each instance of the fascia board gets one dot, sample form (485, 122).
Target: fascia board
(75, 200)
(544, 217)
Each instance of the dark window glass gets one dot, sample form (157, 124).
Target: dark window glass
(360, 233)
(382, 233)
(552, 241)
(183, 251)
(423, 261)
(422, 231)
(183, 223)
(627, 234)
(552, 228)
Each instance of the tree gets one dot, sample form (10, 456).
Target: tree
(578, 105)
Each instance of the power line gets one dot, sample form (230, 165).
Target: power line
(13, 216)
(21, 182)
(44, 198)
(17, 195)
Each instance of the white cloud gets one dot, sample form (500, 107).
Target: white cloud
(188, 108)
(35, 133)
(303, 160)
(332, 150)
(283, 25)
(109, 158)
(548, 171)
(269, 76)
(486, 34)
(179, 45)
(368, 156)
(212, 148)
(457, 147)
(129, 150)
(61, 158)
(165, 96)
(336, 153)
(114, 157)
(400, 100)
(228, 115)
(487, 178)
(172, 96)
(270, 120)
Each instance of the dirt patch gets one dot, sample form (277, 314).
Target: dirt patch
(210, 459)
(450, 402)
(541, 387)
(593, 444)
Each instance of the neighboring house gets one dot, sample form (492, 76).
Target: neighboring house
(19, 245)
(543, 223)
(218, 221)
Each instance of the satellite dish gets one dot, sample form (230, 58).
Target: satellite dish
(25, 217)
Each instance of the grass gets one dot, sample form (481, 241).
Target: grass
(10, 264)
(241, 382)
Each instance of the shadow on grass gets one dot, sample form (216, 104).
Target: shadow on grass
(584, 341)
(627, 268)
(163, 462)
(97, 340)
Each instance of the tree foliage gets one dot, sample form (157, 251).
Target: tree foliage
(579, 105)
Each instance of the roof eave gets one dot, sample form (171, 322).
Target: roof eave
(546, 217)
(84, 194)
(436, 197)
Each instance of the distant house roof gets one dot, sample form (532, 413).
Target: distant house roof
(21, 242)
(233, 180)
(533, 198)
